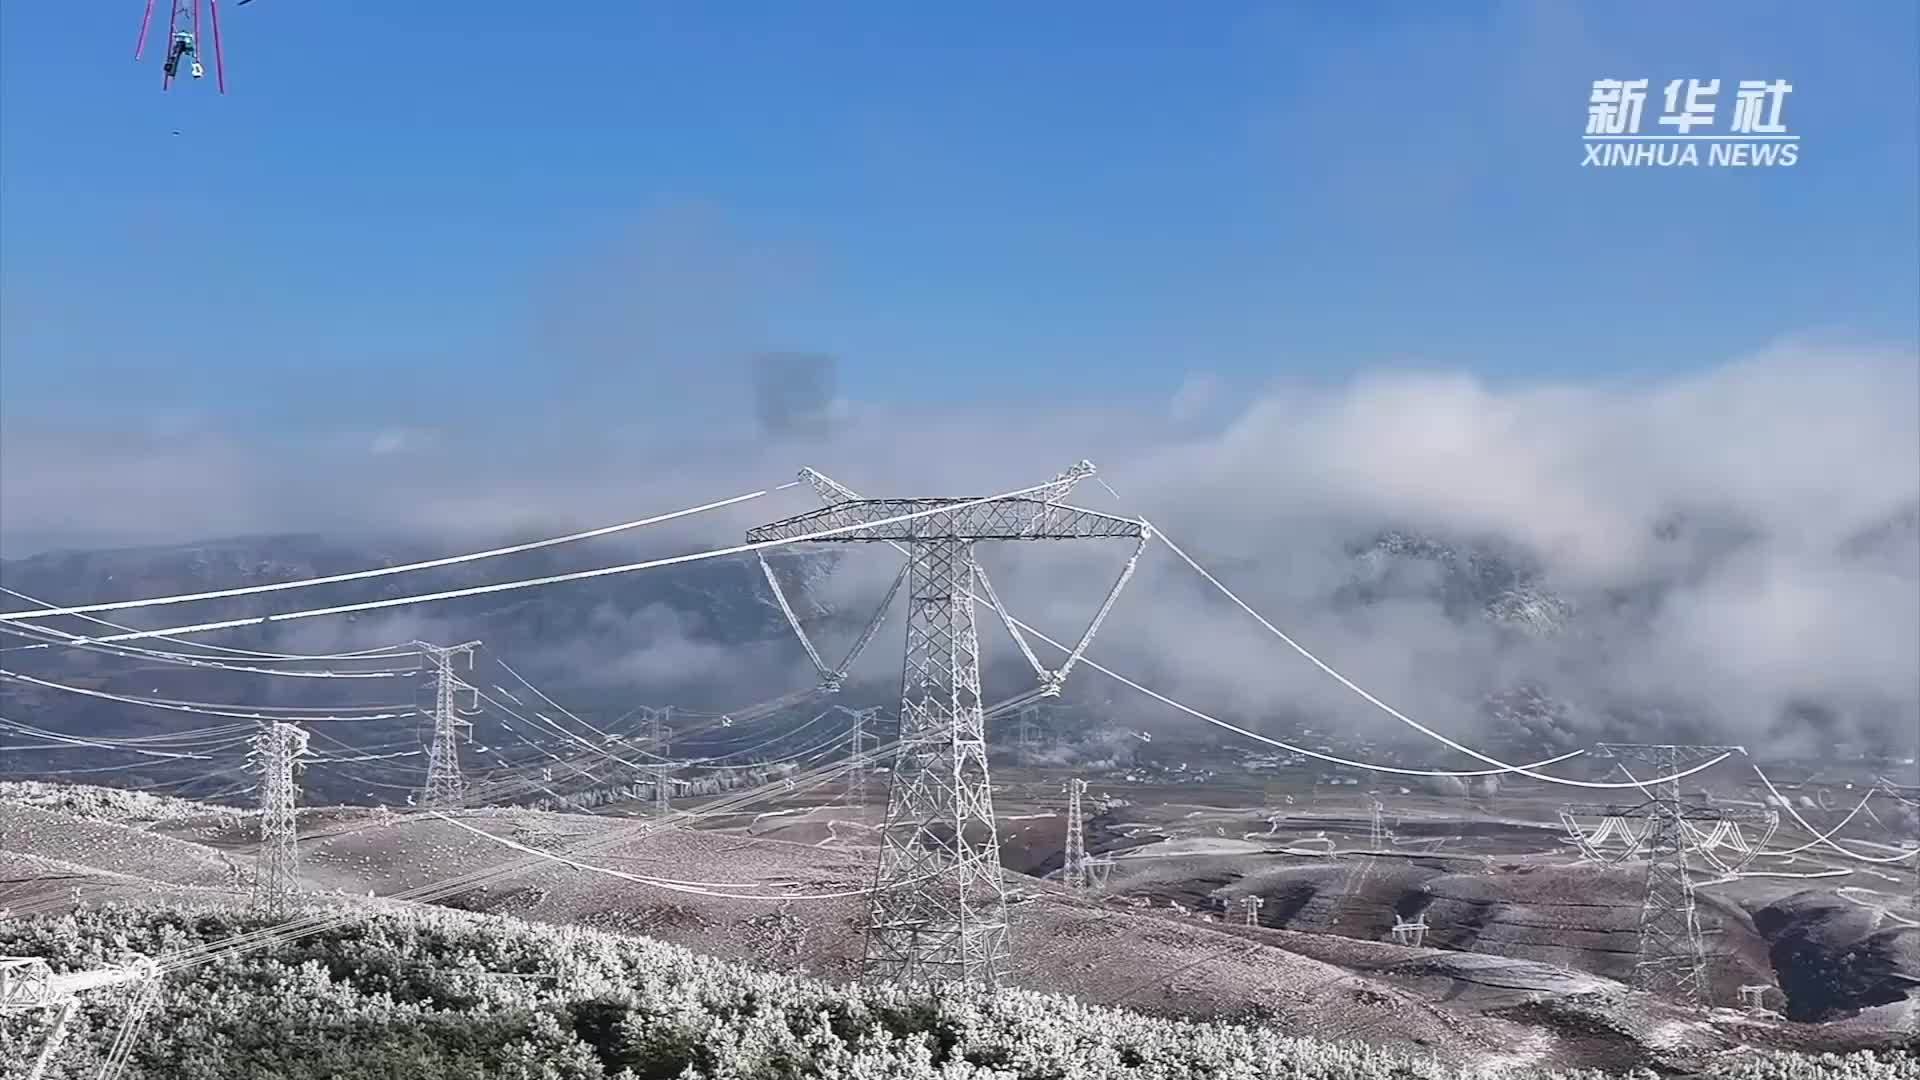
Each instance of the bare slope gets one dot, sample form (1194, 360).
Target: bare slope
(1461, 1004)
(122, 849)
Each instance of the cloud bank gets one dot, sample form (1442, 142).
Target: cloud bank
(1738, 547)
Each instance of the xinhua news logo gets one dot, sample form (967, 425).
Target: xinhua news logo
(1755, 136)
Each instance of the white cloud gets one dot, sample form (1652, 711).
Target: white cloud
(1197, 394)
(1699, 523)
(400, 440)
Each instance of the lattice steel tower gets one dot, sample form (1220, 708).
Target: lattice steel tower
(1029, 726)
(1672, 960)
(662, 738)
(857, 766)
(1252, 904)
(1074, 870)
(938, 908)
(445, 787)
(277, 753)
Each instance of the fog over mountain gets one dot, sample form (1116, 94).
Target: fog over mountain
(1734, 553)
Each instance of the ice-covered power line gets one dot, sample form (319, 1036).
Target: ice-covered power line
(834, 742)
(588, 745)
(379, 652)
(709, 889)
(129, 652)
(192, 736)
(62, 741)
(588, 749)
(380, 571)
(1827, 843)
(1504, 767)
(1820, 838)
(834, 489)
(336, 760)
(1397, 714)
(437, 890)
(781, 737)
(557, 579)
(537, 692)
(212, 709)
(606, 738)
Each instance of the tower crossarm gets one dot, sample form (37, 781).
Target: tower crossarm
(1663, 753)
(835, 494)
(1685, 812)
(970, 520)
(1062, 485)
(25, 982)
(1605, 810)
(832, 492)
(829, 490)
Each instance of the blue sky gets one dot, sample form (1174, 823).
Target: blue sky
(404, 208)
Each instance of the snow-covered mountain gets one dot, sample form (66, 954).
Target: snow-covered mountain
(709, 636)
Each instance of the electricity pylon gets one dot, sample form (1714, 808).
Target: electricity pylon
(1253, 904)
(1029, 726)
(1910, 796)
(938, 907)
(1672, 956)
(1074, 870)
(662, 737)
(27, 984)
(277, 753)
(1410, 932)
(857, 767)
(446, 789)
(1376, 825)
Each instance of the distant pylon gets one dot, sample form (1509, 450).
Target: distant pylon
(1412, 933)
(1099, 870)
(1909, 796)
(857, 766)
(662, 737)
(1074, 871)
(1029, 725)
(1376, 826)
(1252, 904)
(446, 789)
(277, 753)
(1672, 955)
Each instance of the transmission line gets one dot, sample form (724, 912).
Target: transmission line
(128, 652)
(381, 652)
(556, 579)
(836, 490)
(381, 571)
(1397, 714)
(208, 708)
